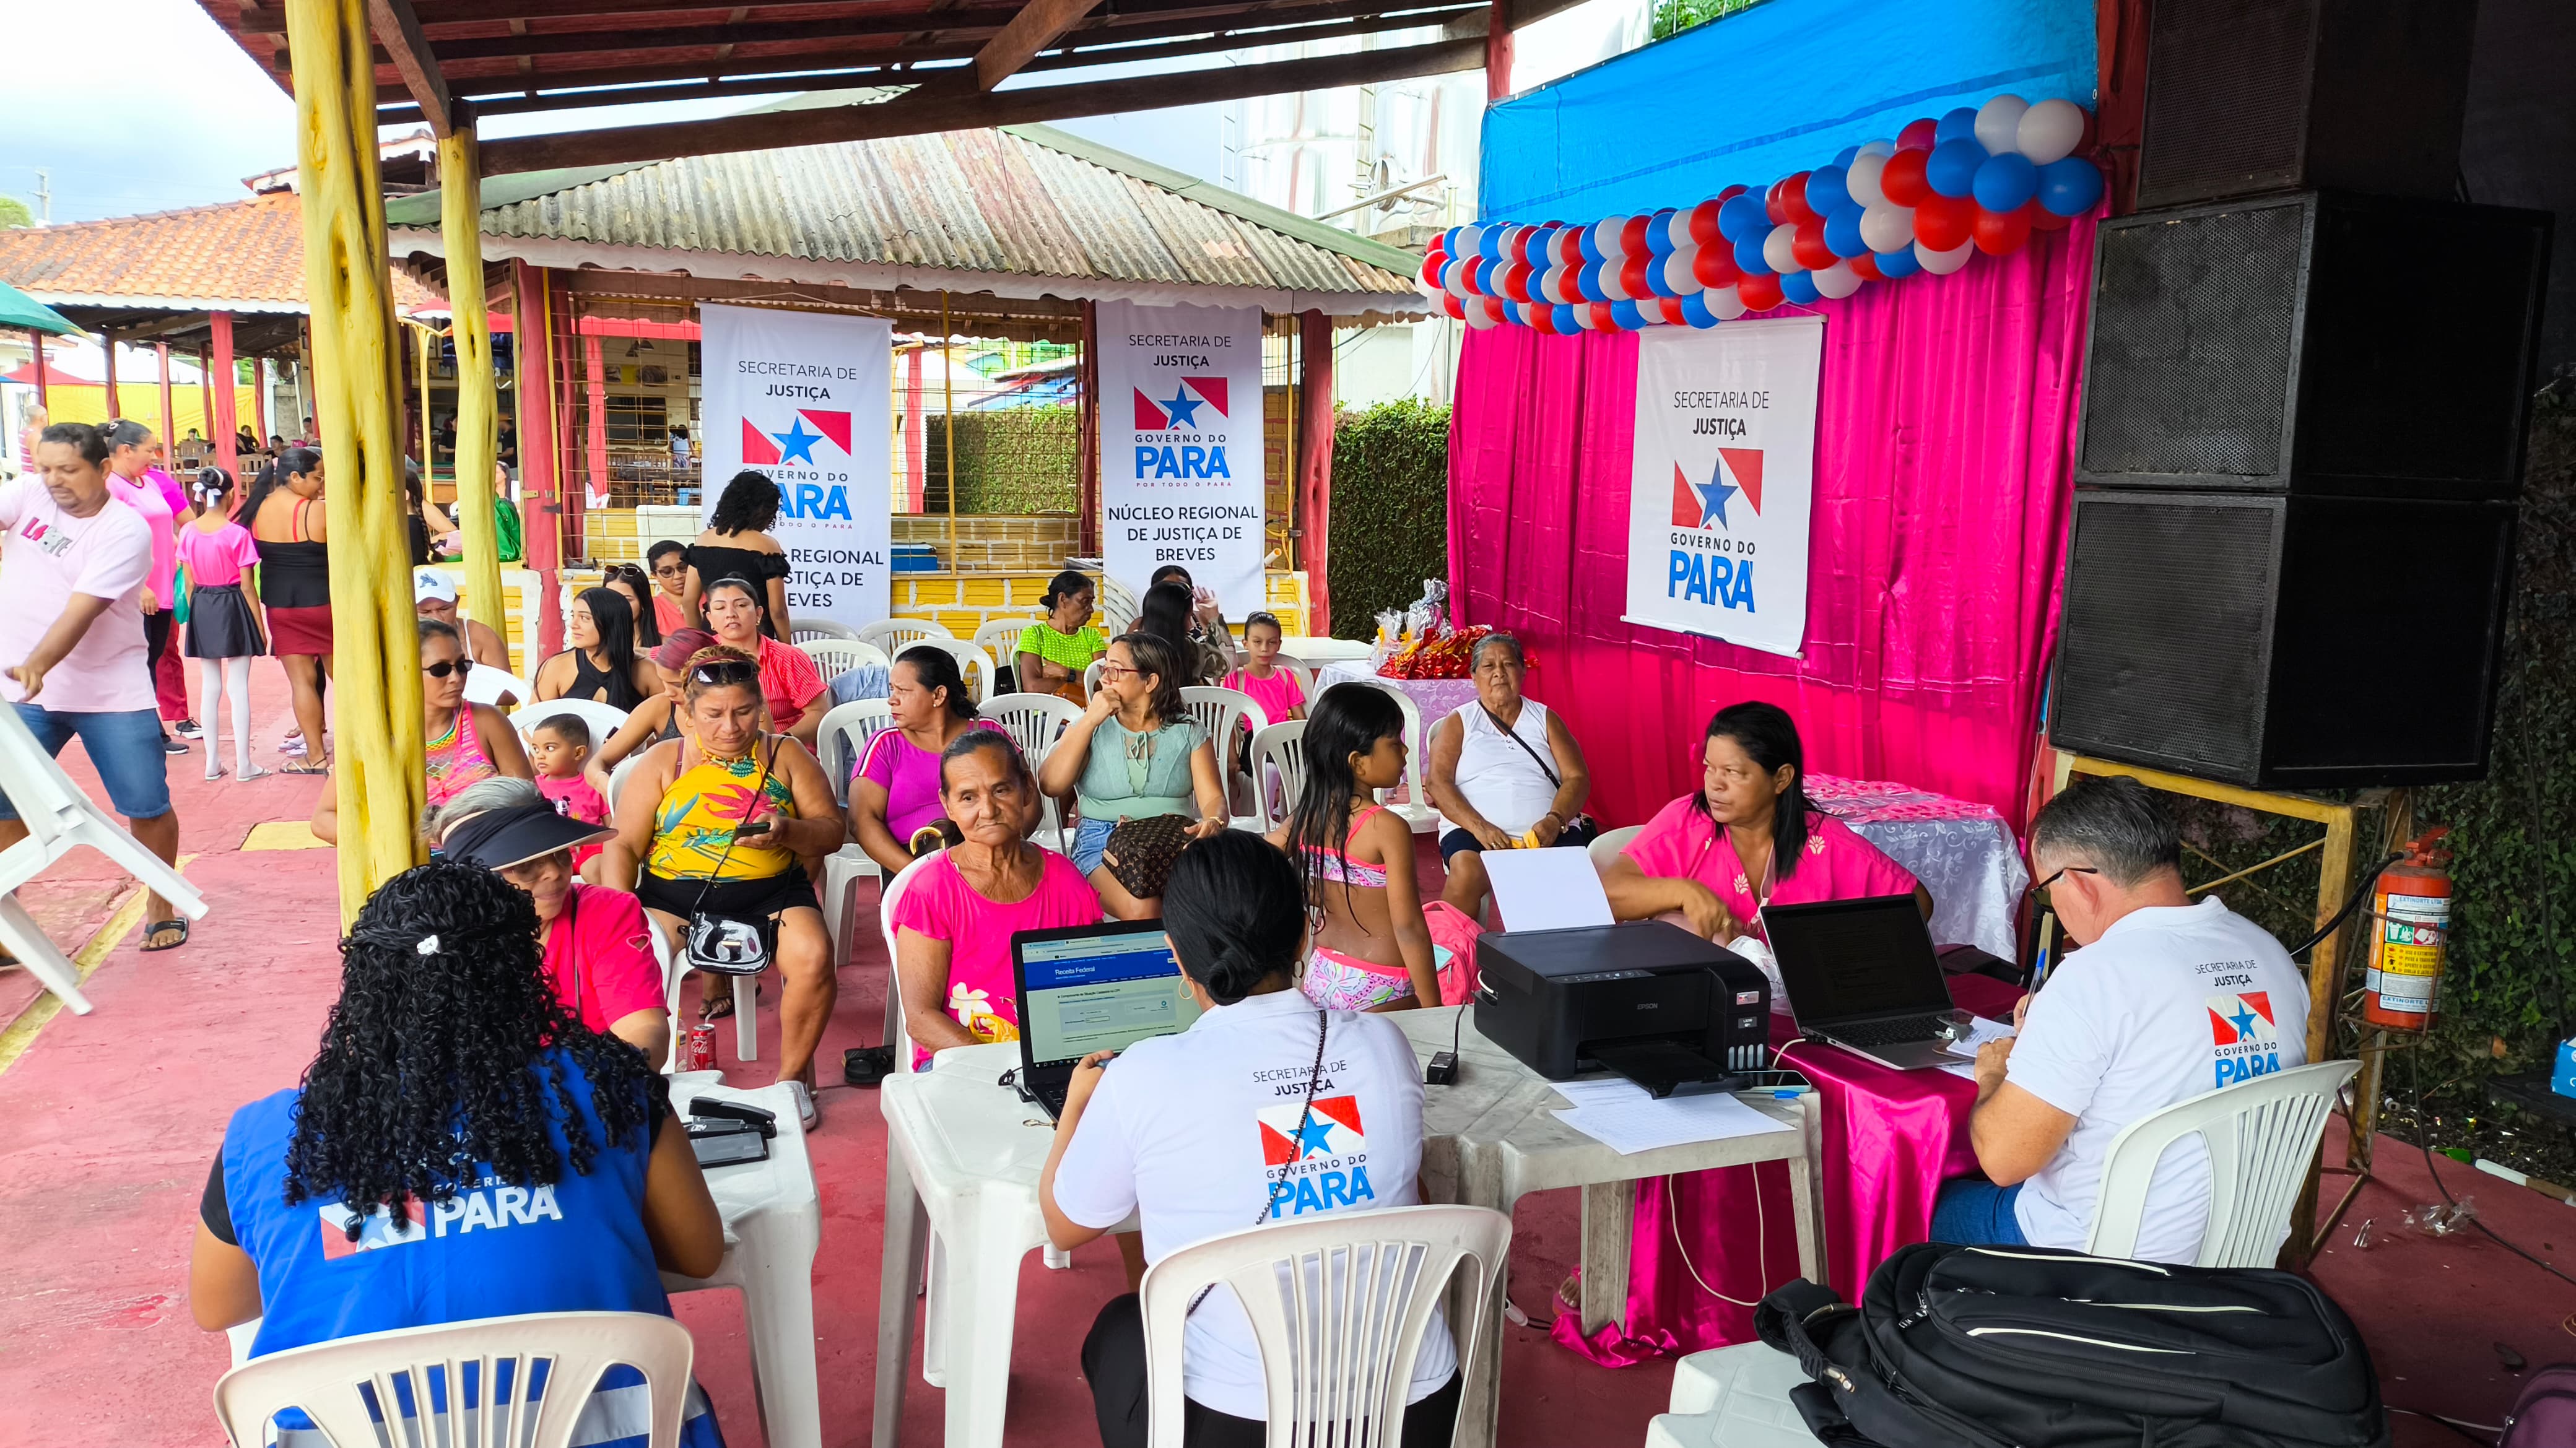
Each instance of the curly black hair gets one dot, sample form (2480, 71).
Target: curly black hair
(748, 504)
(435, 1061)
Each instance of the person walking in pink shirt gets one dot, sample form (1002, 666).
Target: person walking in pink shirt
(225, 630)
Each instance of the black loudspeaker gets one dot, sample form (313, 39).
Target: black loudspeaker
(2283, 642)
(2249, 96)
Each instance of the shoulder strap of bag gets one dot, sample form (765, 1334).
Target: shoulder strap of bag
(1535, 757)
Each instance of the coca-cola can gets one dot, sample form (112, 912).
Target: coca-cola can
(698, 1052)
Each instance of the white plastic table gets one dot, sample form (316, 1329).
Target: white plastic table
(773, 1221)
(1316, 652)
(963, 1155)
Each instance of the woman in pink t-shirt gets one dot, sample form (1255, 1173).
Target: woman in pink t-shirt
(954, 919)
(225, 630)
(1749, 836)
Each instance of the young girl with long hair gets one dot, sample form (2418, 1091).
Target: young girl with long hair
(1372, 951)
(225, 631)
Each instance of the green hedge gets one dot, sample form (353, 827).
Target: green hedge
(1390, 527)
(1014, 461)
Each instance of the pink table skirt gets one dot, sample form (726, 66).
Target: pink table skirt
(1890, 1139)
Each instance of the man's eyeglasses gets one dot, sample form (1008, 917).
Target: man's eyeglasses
(2043, 885)
(445, 667)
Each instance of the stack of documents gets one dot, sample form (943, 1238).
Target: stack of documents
(1623, 1117)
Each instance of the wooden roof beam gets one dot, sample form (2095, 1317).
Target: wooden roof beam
(942, 106)
(397, 31)
(1039, 25)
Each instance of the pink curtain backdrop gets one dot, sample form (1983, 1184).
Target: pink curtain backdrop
(1944, 447)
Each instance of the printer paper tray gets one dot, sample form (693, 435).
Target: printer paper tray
(1664, 1068)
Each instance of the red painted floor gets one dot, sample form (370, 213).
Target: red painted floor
(113, 1117)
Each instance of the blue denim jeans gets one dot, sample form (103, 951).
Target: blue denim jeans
(125, 747)
(1974, 1212)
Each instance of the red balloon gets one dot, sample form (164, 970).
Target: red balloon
(1514, 281)
(1715, 267)
(1632, 276)
(1569, 246)
(1760, 291)
(2043, 219)
(1901, 179)
(1943, 223)
(1632, 237)
(1917, 136)
(1731, 192)
(1455, 308)
(1602, 320)
(1793, 200)
(1670, 309)
(1703, 222)
(1865, 266)
(1431, 265)
(1998, 232)
(1542, 319)
(1808, 246)
(1496, 308)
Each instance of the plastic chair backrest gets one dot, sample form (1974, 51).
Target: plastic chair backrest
(1281, 747)
(674, 966)
(1415, 793)
(892, 634)
(835, 657)
(604, 719)
(807, 630)
(1607, 846)
(617, 777)
(1339, 1304)
(896, 1035)
(1117, 606)
(844, 736)
(1091, 675)
(973, 663)
(331, 1381)
(999, 638)
(2261, 1136)
(1033, 721)
(485, 684)
(33, 782)
(1221, 712)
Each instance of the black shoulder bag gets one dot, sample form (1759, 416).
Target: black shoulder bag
(1579, 830)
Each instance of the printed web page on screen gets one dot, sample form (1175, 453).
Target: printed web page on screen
(1101, 993)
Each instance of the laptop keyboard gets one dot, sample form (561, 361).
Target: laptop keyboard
(1894, 1031)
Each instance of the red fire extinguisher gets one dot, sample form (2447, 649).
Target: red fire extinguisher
(2410, 926)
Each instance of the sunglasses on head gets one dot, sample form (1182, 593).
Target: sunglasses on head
(445, 667)
(725, 673)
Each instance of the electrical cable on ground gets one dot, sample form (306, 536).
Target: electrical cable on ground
(2424, 1140)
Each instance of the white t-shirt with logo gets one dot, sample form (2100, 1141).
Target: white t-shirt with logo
(50, 555)
(2172, 1002)
(1194, 1131)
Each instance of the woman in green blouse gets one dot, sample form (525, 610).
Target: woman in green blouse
(1135, 753)
(1051, 656)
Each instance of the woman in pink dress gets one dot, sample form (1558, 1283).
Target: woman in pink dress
(1749, 836)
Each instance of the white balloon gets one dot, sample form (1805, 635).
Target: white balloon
(1780, 248)
(1478, 316)
(1838, 281)
(1726, 304)
(1887, 226)
(1583, 317)
(1681, 271)
(1529, 312)
(1456, 277)
(1860, 178)
(1881, 149)
(1612, 287)
(1469, 237)
(1998, 121)
(2050, 131)
(1677, 228)
(1942, 263)
(1607, 234)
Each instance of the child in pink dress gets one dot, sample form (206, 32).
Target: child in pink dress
(557, 750)
(225, 627)
(1268, 683)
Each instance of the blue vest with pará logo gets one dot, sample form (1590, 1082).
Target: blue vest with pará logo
(494, 1250)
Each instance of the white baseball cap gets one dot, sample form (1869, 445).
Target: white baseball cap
(435, 585)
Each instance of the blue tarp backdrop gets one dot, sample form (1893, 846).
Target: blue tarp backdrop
(1778, 88)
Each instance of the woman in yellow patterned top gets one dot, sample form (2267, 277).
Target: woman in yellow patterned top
(1051, 655)
(714, 822)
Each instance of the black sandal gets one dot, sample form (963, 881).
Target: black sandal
(157, 926)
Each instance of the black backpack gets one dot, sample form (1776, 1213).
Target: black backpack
(2029, 1347)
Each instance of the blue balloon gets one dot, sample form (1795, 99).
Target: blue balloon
(2069, 187)
(1657, 282)
(1449, 242)
(1799, 286)
(1480, 276)
(1749, 258)
(1951, 169)
(1902, 263)
(1842, 230)
(1625, 314)
(1562, 315)
(1961, 122)
(1695, 310)
(2006, 182)
(1826, 190)
(1742, 218)
(1490, 245)
(1659, 233)
(1591, 238)
(1844, 156)
(1587, 280)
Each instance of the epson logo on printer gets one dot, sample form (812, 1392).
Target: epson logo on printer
(1650, 1005)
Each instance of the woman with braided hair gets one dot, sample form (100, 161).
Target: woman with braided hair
(549, 1174)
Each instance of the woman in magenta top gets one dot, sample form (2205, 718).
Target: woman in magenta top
(894, 790)
(1749, 836)
(954, 918)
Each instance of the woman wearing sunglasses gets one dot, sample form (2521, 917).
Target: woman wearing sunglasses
(467, 743)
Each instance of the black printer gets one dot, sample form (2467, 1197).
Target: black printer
(1646, 999)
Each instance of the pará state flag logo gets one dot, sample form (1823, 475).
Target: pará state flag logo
(1738, 470)
(2245, 1038)
(1333, 1130)
(1191, 397)
(793, 445)
(407, 1223)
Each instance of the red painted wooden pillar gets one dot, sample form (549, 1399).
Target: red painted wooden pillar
(1498, 52)
(169, 418)
(1086, 388)
(540, 496)
(222, 422)
(107, 347)
(259, 399)
(44, 382)
(1315, 465)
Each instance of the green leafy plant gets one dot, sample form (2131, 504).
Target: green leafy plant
(1672, 17)
(1014, 460)
(1390, 523)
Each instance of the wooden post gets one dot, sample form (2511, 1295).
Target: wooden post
(1498, 53)
(1086, 374)
(428, 447)
(44, 384)
(376, 677)
(169, 414)
(948, 425)
(223, 420)
(1311, 495)
(107, 348)
(259, 400)
(478, 412)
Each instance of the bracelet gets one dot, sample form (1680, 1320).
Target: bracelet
(1553, 815)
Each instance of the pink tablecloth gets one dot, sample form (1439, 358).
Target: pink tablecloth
(1890, 1139)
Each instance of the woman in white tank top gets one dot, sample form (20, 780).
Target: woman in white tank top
(1505, 773)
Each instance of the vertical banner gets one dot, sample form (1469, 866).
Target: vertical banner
(806, 398)
(1722, 480)
(1180, 447)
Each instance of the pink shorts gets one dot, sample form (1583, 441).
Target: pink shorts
(1339, 982)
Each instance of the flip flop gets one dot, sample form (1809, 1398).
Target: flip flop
(306, 768)
(157, 926)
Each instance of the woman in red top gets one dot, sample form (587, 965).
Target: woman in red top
(790, 684)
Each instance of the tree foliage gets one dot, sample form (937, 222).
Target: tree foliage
(1390, 520)
(1672, 17)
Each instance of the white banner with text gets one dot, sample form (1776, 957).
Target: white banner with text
(1180, 447)
(806, 397)
(1722, 480)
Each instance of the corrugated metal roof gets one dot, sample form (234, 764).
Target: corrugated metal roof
(1018, 200)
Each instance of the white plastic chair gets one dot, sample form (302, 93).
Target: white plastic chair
(617, 778)
(485, 684)
(1034, 721)
(807, 630)
(893, 634)
(59, 819)
(604, 719)
(843, 738)
(973, 663)
(1339, 1305)
(1733, 1397)
(331, 1381)
(834, 657)
(2261, 1136)
(674, 967)
(894, 1033)
(1091, 675)
(999, 638)
(1415, 807)
(1222, 713)
(1279, 749)
(1118, 608)
(1607, 846)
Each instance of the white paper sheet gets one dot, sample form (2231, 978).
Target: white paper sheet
(1605, 1091)
(1980, 1031)
(1546, 889)
(1643, 1124)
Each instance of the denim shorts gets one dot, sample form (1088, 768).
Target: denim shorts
(1090, 838)
(1974, 1212)
(125, 747)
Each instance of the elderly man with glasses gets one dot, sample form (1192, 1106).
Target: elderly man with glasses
(2167, 999)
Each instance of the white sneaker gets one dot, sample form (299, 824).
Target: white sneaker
(805, 1110)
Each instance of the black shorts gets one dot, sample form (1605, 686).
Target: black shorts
(1456, 840)
(760, 899)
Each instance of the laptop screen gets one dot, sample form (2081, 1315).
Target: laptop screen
(1097, 988)
(1845, 959)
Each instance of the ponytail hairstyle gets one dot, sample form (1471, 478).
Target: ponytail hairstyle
(1349, 719)
(1235, 914)
(1064, 585)
(936, 668)
(1768, 736)
(124, 432)
(212, 486)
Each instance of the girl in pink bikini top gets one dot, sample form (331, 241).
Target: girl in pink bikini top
(1371, 950)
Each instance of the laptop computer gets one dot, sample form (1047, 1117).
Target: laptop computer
(1862, 974)
(1086, 988)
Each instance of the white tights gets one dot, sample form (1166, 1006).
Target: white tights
(217, 679)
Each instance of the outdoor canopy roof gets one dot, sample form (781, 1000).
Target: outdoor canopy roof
(20, 312)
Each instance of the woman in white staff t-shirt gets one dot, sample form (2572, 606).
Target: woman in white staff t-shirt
(1207, 1133)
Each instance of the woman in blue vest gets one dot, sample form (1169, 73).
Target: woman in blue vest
(549, 1176)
